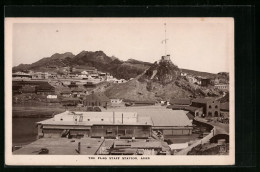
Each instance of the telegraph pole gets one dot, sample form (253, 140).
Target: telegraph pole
(165, 40)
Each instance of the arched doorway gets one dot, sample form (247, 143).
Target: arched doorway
(216, 114)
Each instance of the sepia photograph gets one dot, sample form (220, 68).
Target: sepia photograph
(119, 91)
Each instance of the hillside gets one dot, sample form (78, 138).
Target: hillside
(198, 73)
(162, 81)
(98, 59)
(158, 81)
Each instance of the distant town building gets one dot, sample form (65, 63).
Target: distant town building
(69, 101)
(195, 111)
(45, 89)
(119, 81)
(52, 76)
(96, 99)
(222, 86)
(77, 92)
(143, 103)
(211, 107)
(216, 81)
(224, 109)
(73, 84)
(40, 75)
(52, 96)
(191, 79)
(116, 101)
(205, 82)
(21, 76)
(66, 93)
(183, 74)
(90, 70)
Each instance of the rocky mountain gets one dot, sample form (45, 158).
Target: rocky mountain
(162, 81)
(98, 59)
(57, 60)
(158, 81)
(163, 72)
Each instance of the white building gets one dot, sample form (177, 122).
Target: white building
(52, 97)
(21, 76)
(116, 101)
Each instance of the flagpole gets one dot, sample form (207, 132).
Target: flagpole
(165, 38)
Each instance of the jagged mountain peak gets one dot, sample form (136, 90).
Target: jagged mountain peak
(163, 71)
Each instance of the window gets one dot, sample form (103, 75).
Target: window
(197, 113)
(209, 106)
(102, 119)
(88, 119)
(209, 113)
(109, 131)
(216, 106)
(216, 114)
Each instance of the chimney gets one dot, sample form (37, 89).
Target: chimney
(122, 118)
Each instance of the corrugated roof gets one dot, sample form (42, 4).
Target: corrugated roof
(190, 116)
(179, 107)
(144, 102)
(139, 144)
(109, 118)
(191, 108)
(167, 117)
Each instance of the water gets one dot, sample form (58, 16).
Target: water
(24, 130)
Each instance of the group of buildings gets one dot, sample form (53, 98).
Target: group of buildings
(107, 133)
(117, 125)
(203, 107)
(80, 77)
(205, 82)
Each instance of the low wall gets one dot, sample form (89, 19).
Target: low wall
(201, 141)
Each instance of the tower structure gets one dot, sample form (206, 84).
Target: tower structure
(166, 56)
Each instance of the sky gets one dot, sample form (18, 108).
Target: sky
(201, 44)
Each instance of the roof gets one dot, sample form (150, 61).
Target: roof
(139, 144)
(178, 107)
(21, 73)
(69, 99)
(179, 145)
(191, 108)
(77, 90)
(203, 100)
(181, 101)
(99, 118)
(167, 117)
(144, 102)
(190, 116)
(224, 106)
